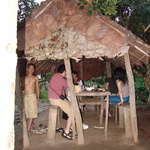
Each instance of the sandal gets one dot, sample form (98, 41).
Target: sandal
(59, 130)
(71, 132)
(67, 136)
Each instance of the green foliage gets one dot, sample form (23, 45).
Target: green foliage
(44, 96)
(100, 81)
(44, 81)
(142, 70)
(105, 7)
(135, 16)
(141, 91)
(25, 8)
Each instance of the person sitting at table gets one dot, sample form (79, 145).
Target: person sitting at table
(111, 86)
(75, 82)
(75, 78)
(56, 84)
(123, 88)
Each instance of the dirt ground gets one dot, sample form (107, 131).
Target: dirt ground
(94, 138)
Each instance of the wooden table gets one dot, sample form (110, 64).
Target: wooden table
(100, 94)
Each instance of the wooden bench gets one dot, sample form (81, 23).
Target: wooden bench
(125, 119)
(54, 119)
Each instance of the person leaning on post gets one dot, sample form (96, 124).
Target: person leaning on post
(55, 89)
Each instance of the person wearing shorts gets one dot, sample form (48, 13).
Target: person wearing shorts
(30, 87)
(55, 89)
(30, 105)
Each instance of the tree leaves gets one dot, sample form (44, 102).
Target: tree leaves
(105, 7)
(25, 8)
(135, 16)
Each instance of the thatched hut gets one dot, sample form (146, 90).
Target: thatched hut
(59, 30)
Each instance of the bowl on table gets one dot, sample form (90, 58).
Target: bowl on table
(101, 89)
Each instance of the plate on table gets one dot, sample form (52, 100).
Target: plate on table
(89, 88)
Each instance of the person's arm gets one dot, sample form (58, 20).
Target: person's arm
(23, 85)
(119, 85)
(37, 89)
(106, 86)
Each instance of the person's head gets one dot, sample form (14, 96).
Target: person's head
(74, 74)
(75, 77)
(62, 70)
(31, 68)
(120, 74)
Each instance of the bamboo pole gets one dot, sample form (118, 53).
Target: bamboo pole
(132, 98)
(76, 112)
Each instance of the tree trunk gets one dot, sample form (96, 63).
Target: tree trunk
(8, 63)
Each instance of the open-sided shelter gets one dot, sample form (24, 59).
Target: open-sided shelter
(59, 30)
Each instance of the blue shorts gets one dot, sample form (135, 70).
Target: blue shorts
(116, 99)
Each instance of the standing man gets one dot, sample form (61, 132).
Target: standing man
(31, 94)
(55, 89)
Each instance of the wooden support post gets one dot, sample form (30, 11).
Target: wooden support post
(121, 117)
(26, 143)
(59, 116)
(127, 121)
(81, 69)
(106, 118)
(132, 98)
(108, 69)
(52, 122)
(116, 113)
(75, 112)
(102, 110)
(19, 99)
(52, 69)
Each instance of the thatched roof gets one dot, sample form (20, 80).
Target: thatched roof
(59, 29)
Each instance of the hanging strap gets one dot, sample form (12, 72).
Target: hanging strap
(55, 91)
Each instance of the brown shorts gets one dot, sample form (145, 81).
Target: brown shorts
(65, 105)
(30, 106)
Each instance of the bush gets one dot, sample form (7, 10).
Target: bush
(141, 91)
(100, 81)
(44, 96)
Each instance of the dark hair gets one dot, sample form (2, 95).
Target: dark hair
(31, 65)
(74, 72)
(61, 68)
(120, 74)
